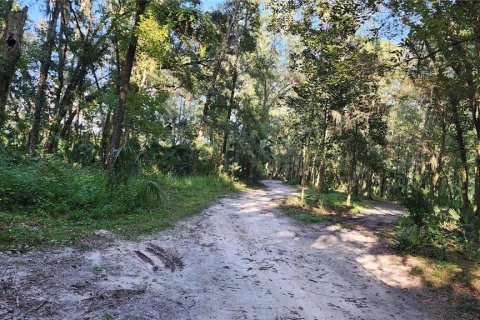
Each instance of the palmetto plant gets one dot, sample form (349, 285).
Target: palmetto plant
(150, 191)
(127, 164)
(127, 169)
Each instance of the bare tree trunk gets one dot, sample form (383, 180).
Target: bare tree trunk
(439, 168)
(78, 76)
(475, 110)
(463, 155)
(383, 184)
(55, 126)
(43, 76)
(351, 187)
(67, 124)
(10, 51)
(122, 99)
(104, 140)
(213, 84)
(465, 70)
(229, 114)
(370, 185)
(303, 172)
(321, 171)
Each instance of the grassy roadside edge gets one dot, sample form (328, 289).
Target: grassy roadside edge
(181, 197)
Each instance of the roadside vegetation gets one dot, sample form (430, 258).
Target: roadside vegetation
(49, 202)
(320, 207)
(445, 248)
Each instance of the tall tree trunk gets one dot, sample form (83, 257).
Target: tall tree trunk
(303, 171)
(43, 76)
(321, 171)
(383, 184)
(76, 81)
(122, 99)
(104, 140)
(229, 114)
(213, 84)
(10, 51)
(439, 168)
(353, 169)
(475, 111)
(55, 126)
(463, 154)
(67, 125)
(465, 70)
(370, 185)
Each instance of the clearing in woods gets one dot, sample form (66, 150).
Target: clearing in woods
(239, 259)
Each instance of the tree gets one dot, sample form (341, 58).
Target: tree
(46, 62)
(10, 51)
(123, 91)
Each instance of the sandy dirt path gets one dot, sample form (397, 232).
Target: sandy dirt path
(239, 259)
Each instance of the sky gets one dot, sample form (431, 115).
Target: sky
(208, 4)
(36, 7)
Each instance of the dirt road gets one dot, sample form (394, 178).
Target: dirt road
(239, 259)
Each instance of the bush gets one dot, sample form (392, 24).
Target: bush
(332, 201)
(418, 205)
(49, 201)
(56, 188)
(424, 230)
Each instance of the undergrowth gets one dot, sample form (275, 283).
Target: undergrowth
(446, 244)
(45, 202)
(319, 207)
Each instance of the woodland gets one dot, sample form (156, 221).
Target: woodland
(128, 115)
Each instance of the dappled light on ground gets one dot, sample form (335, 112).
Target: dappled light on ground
(391, 270)
(362, 243)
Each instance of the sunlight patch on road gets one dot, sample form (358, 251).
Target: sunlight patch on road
(286, 234)
(349, 237)
(391, 270)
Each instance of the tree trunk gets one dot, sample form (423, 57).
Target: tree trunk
(68, 98)
(353, 168)
(321, 171)
(227, 129)
(439, 168)
(465, 70)
(104, 140)
(370, 185)
(463, 154)
(474, 108)
(67, 124)
(383, 184)
(122, 99)
(303, 171)
(10, 51)
(213, 83)
(43, 76)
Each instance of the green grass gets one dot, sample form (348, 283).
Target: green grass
(320, 207)
(293, 208)
(447, 273)
(44, 204)
(335, 202)
(461, 278)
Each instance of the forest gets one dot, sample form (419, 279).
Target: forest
(128, 115)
